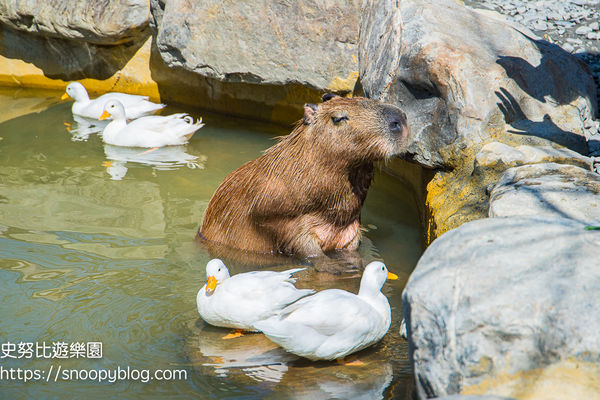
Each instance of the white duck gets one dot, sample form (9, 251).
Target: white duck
(150, 131)
(334, 323)
(241, 300)
(135, 105)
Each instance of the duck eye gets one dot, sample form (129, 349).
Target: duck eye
(382, 268)
(336, 119)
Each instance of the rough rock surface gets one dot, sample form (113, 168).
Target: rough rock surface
(499, 297)
(463, 195)
(99, 22)
(312, 43)
(471, 79)
(547, 189)
(495, 153)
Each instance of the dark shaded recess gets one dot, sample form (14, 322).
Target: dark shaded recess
(68, 59)
(421, 93)
(27, 20)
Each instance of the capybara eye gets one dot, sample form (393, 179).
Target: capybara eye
(328, 96)
(338, 119)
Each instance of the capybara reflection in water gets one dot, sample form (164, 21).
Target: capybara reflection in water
(303, 197)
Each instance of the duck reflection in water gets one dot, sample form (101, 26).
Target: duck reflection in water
(254, 356)
(82, 128)
(162, 158)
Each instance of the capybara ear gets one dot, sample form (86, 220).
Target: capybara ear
(328, 96)
(310, 110)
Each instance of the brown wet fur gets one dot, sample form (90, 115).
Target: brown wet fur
(304, 195)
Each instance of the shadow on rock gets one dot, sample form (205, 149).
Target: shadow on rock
(551, 88)
(545, 129)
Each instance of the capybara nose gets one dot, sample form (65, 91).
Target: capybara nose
(396, 119)
(396, 126)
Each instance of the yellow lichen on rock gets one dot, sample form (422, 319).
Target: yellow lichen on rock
(454, 197)
(435, 198)
(569, 379)
(343, 85)
(14, 72)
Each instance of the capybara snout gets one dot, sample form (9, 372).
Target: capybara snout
(395, 119)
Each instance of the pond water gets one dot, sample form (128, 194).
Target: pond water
(97, 245)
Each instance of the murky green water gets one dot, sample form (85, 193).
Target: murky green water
(96, 245)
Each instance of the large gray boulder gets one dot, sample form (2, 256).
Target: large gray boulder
(311, 43)
(465, 78)
(98, 22)
(507, 306)
(65, 59)
(547, 189)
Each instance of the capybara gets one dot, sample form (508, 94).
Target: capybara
(304, 195)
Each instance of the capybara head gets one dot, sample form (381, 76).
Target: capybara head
(356, 128)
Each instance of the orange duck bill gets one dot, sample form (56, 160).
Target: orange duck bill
(211, 284)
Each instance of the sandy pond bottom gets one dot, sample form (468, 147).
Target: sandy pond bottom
(96, 245)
